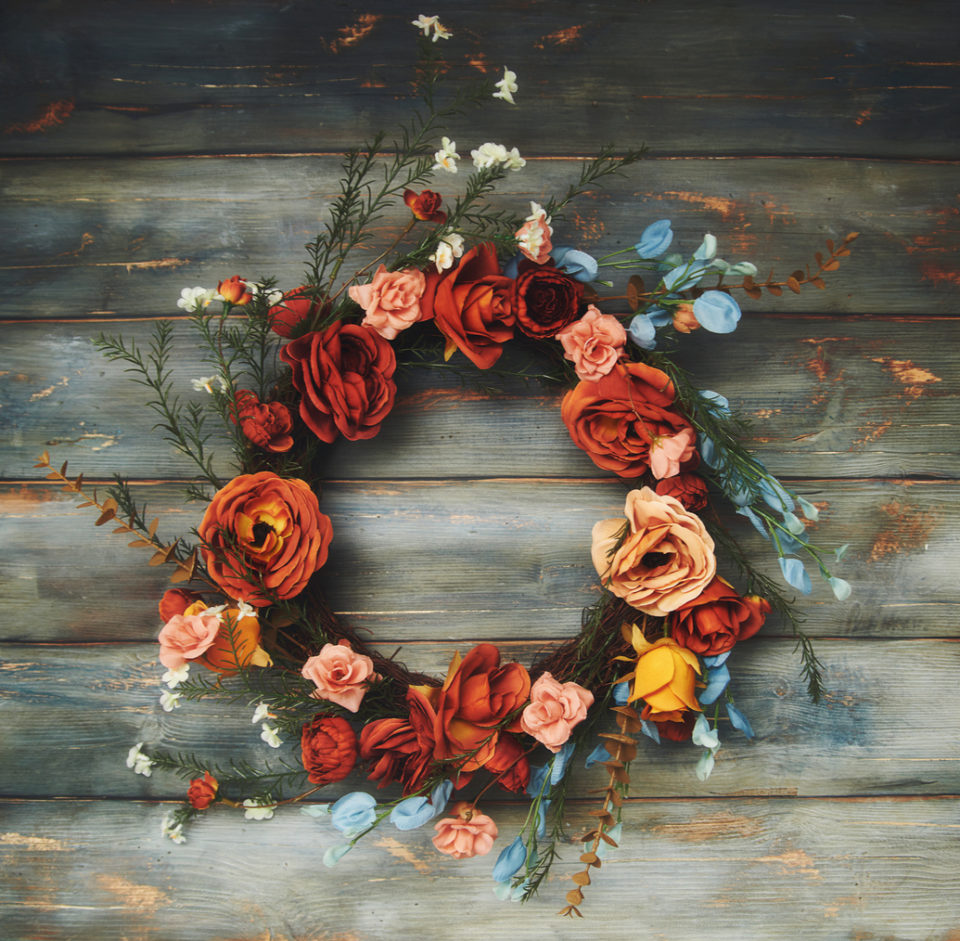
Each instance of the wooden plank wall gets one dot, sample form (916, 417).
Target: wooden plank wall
(154, 145)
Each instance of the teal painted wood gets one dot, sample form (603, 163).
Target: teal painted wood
(483, 560)
(771, 869)
(120, 238)
(248, 76)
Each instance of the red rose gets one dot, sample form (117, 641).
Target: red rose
(175, 601)
(677, 730)
(425, 206)
(344, 375)
(263, 536)
(689, 489)
(714, 621)
(202, 791)
(266, 424)
(616, 419)
(472, 305)
(234, 291)
(329, 749)
(545, 301)
(293, 309)
(510, 764)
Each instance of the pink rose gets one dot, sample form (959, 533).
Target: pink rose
(668, 452)
(468, 834)
(340, 674)
(554, 709)
(593, 344)
(391, 300)
(187, 636)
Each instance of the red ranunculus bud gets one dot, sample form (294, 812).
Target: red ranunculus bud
(203, 791)
(425, 206)
(234, 291)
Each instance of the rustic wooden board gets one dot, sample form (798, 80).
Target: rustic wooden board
(869, 736)
(735, 869)
(121, 237)
(488, 559)
(835, 397)
(248, 76)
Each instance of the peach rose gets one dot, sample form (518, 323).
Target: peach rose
(593, 344)
(263, 537)
(468, 834)
(341, 675)
(684, 320)
(391, 300)
(664, 676)
(665, 559)
(186, 637)
(554, 709)
(668, 452)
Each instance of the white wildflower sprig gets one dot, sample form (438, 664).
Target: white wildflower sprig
(449, 248)
(170, 700)
(446, 157)
(493, 155)
(507, 86)
(260, 713)
(254, 810)
(269, 734)
(173, 678)
(428, 24)
(209, 384)
(138, 762)
(173, 830)
(195, 299)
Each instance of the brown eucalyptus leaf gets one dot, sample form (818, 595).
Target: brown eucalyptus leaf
(794, 284)
(755, 293)
(63, 469)
(617, 737)
(830, 246)
(78, 483)
(158, 558)
(818, 283)
(608, 839)
(180, 575)
(105, 517)
(109, 503)
(635, 290)
(80, 506)
(139, 543)
(43, 460)
(570, 910)
(574, 896)
(581, 878)
(154, 523)
(52, 476)
(798, 274)
(589, 858)
(850, 236)
(831, 266)
(774, 290)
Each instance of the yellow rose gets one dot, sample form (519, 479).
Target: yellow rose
(665, 674)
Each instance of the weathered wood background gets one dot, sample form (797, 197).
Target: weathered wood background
(152, 145)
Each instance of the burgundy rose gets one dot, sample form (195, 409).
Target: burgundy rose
(425, 206)
(689, 489)
(329, 749)
(266, 424)
(344, 375)
(545, 301)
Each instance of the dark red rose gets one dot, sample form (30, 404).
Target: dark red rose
(202, 791)
(344, 375)
(689, 489)
(678, 730)
(234, 290)
(472, 305)
(425, 206)
(510, 763)
(176, 601)
(293, 309)
(329, 749)
(717, 618)
(395, 753)
(616, 419)
(545, 300)
(266, 424)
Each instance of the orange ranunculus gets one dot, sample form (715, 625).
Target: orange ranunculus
(617, 418)
(235, 291)
(263, 537)
(476, 697)
(717, 618)
(237, 643)
(203, 791)
(665, 558)
(472, 306)
(664, 675)
(328, 748)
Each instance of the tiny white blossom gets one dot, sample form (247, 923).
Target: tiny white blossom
(274, 298)
(446, 157)
(440, 31)
(174, 678)
(216, 610)
(138, 762)
(195, 299)
(260, 713)
(449, 248)
(173, 830)
(170, 701)
(257, 811)
(245, 610)
(269, 734)
(514, 161)
(488, 155)
(207, 383)
(425, 23)
(506, 86)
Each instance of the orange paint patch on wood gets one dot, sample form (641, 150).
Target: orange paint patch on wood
(589, 225)
(794, 861)
(40, 843)
(136, 898)
(846, 901)
(157, 263)
(863, 116)
(53, 115)
(85, 240)
(711, 827)
(562, 37)
(397, 849)
(726, 207)
(913, 378)
(938, 275)
(907, 528)
(352, 34)
(870, 432)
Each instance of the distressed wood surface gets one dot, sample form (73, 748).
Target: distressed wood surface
(151, 146)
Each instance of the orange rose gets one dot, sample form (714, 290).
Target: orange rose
(665, 559)
(664, 676)
(715, 620)
(328, 748)
(235, 291)
(472, 306)
(203, 791)
(477, 695)
(263, 537)
(237, 642)
(690, 489)
(617, 418)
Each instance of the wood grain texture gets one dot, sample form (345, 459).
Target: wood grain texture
(103, 238)
(248, 76)
(772, 869)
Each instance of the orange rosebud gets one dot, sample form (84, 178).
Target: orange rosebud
(203, 791)
(664, 676)
(684, 320)
(425, 206)
(234, 291)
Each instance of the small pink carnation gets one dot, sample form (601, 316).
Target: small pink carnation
(391, 300)
(533, 237)
(187, 636)
(668, 453)
(593, 344)
(468, 834)
(554, 709)
(341, 675)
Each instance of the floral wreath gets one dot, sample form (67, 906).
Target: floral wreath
(296, 369)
